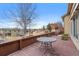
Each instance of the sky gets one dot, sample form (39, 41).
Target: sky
(46, 13)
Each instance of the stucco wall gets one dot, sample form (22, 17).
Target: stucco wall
(67, 25)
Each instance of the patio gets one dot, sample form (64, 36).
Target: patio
(61, 47)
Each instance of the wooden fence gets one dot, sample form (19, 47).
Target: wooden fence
(10, 47)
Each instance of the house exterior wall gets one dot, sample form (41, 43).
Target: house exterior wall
(72, 28)
(75, 38)
(66, 25)
(78, 26)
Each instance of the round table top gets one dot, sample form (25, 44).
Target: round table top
(46, 39)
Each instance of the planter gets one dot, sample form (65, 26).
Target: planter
(65, 37)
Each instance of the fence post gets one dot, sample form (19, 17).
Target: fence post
(20, 44)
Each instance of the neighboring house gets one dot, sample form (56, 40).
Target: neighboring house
(57, 26)
(71, 23)
(54, 26)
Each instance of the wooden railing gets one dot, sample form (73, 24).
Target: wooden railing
(10, 47)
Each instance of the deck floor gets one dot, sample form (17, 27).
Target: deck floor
(61, 47)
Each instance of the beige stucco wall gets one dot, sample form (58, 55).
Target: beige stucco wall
(67, 25)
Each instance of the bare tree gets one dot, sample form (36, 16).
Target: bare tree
(49, 27)
(24, 16)
(59, 24)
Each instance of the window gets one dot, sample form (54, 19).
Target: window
(72, 27)
(75, 27)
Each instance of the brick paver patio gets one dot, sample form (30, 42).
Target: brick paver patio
(61, 47)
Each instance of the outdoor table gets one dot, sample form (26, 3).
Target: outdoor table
(46, 41)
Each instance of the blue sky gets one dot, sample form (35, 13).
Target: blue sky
(47, 13)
